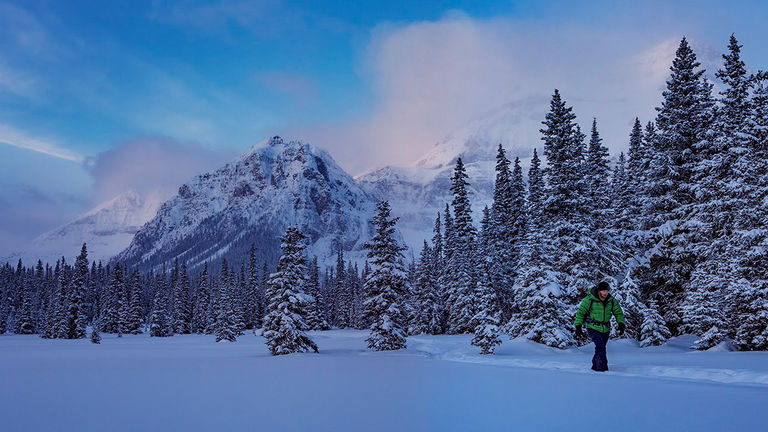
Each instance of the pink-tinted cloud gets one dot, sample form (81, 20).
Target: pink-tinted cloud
(432, 77)
(151, 166)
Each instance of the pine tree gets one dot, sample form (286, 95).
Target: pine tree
(160, 322)
(181, 298)
(683, 123)
(429, 313)
(500, 234)
(460, 266)
(385, 285)
(628, 295)
(315, 316)
(598, 174)
(488, 318)
(226, 327)
(135, 313)
(343, 298)
(76, 318)
(285, 323)
(653, 331)
(202, 322)
(110, 314)
(25, 322)
(95, 336)
(252, 314)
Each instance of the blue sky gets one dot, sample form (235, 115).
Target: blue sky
(85, 86)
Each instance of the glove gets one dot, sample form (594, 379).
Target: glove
(621, 329)
(579, 333)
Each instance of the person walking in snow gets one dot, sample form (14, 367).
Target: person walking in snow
(596, 310)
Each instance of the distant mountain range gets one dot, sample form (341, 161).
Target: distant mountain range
(107, 229)
(278, 183)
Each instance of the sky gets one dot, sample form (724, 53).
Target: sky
(97, 98)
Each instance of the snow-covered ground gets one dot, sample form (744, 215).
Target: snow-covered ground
(138, 383)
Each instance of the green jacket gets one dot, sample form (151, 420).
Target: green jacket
(600, 312)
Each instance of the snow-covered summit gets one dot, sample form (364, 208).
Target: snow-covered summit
(253, 199)
(107, 229)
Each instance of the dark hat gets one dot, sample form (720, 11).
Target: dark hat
(603, 286)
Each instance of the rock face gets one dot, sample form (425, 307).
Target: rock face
(253, 200)
(419, 191)
(107, 229)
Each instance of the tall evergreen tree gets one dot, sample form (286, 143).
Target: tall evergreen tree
(76, 313)
(683, 122)
(202, 322)
(460, 266)
(315, 315)
(226, 327)
(286, 320)
(160, 322)
(386, 284)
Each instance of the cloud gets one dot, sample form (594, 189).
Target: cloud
(150, 166)
(432, 77)
(14, 137)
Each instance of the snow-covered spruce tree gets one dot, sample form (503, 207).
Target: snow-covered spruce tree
(636, 169)
(181, 309)
(61, 312)
(110, 312)
(540, 308)
(160, 322)
(487, 319)
(48, 304)
(683, 123)
(597, 175)
(285, 323)
(499, 238)
(135, 313)
(226, 327)
(622, 201)
(386, 284)
(722, 189)
(429, 313)
(95, 336)
(76, 313)
(315, 315)
(445, 274)
(253, 314)
(653, 331)
(751, 334)
(567, 210)
(461, 264)
(343, 301)
(201, 315)
(628, 295)
(25, 323)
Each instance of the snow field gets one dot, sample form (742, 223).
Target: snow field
(440, 383)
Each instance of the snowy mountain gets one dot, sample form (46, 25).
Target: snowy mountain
(107, 229)
(253, 200)
(419, 191)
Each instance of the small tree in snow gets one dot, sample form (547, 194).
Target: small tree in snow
(488, 318)
(653, 331)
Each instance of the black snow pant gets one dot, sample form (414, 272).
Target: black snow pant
(599, 360)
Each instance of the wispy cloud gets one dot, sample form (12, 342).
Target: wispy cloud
(151, 165)
(432, 77)
(14, 137)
